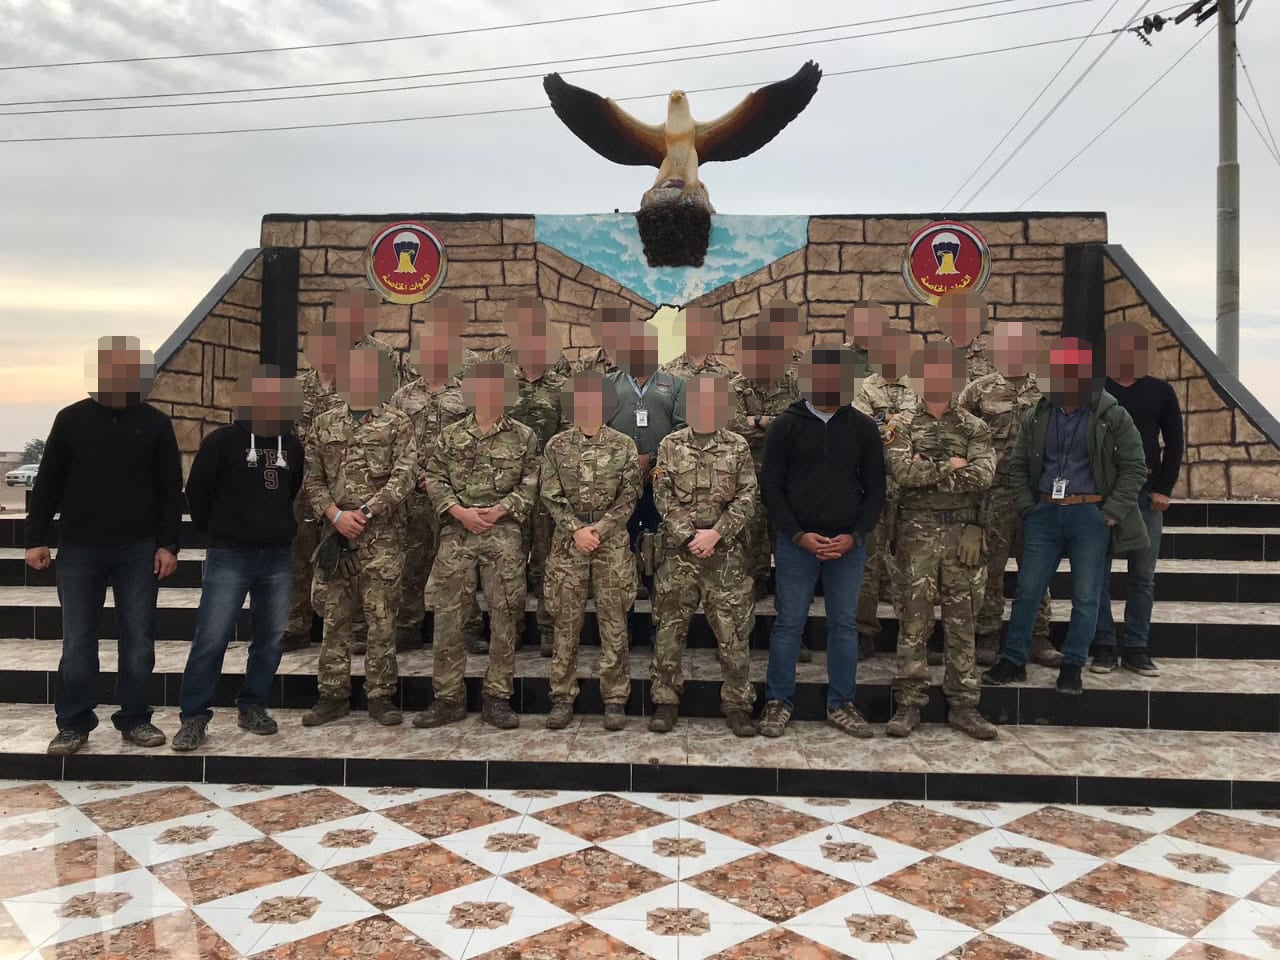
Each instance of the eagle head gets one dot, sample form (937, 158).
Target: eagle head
(678, 110)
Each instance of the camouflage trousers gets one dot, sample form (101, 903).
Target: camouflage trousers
(536, 535)
(928, 572)
(421, 539)
(495, 561)
(373, 591)
(609, 576)
(305, 541)
(723, 585)
(758, 540)
(1004, 539)
(878, 575)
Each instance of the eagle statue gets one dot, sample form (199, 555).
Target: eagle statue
(675, 213)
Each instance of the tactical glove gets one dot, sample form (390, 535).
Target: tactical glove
(969, 552)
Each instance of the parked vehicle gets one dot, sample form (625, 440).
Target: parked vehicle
(24, 476)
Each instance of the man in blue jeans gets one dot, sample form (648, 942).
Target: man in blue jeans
(111, 468)
(241, 490)
(1153, 405)
(823, 481)
(1076, 470)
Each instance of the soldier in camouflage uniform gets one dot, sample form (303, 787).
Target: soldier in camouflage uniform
(705, 489)
(361, 465)
(447, 311)
(942, 461)
(1001, 399)
(432, 402)
(700, 330)
(590, 485)
(884, 395)
(319, 393)
(356, 314)
(863, 324)
(483, 482)
(963, 317)
(609, 328)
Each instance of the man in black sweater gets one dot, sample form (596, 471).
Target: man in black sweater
(1153, 405)
(111, 468)
(241, 492)
(823, 482)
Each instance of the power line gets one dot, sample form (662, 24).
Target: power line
(356, 43)
(1120, 116)
(1054, 109)
(1261, 112)
(546, 63)
(503, 110)
(1043, 90)
(446, 73)
(1270, 150)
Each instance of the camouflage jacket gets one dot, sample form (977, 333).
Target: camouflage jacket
(537, 404)
(882, 400)
(371, 461)
(507, 354)
(404, 372)
(475, 469)
(315, 401)
(595, 360)
(752, 399)
(977, 360)
(930, 483)
(591, 481)
(430, 413)
(469, 360)
(861, 361)
(704, 482)
(683, 366)
(1001, 404)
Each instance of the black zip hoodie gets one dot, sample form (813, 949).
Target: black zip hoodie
(826, 478)
(243, 502)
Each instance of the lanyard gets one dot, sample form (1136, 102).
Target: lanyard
(640, 391)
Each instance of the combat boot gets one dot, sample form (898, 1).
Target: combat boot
(933, 657)
(615, 717)
(325, 711)
(866, 646)
(740, 722)
(477, 644)
(805, 655)
(383, 711)
(967, 719)
(561, 715)
(905, 719)
(1044, 653)
(664, 718)
(986, 648)
(290, 642)
(497, 712)
(440, 713)
(547, 642)
(360, 641)
(408, 638)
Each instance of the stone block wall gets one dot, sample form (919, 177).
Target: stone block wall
(194, 385)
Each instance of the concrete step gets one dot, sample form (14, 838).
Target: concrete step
(1101, 765)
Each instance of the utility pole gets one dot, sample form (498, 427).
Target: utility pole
(1228, 322)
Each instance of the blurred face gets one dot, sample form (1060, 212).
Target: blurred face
(701, 331)
(269, 404)
(365, 379)
(119, 371)
(1070, 372)
(1016, 346)
(588, 407)
(489, 391)
(890, 353)
(436, 353)
(707, 403)
(321, 349)
(828, 383)
(537, 343)
(783, 319)
(639, 356)
(961, 317)
(763, 359)
(450, 314)
(863, 323)
(942, 379)
(1128, 357)
(356, 314)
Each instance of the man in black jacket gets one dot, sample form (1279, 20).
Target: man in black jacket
(241, 492)
(824, 485)
(111, 468)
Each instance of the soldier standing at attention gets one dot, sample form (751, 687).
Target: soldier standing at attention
(1001, 399)
(361, 465)
(963, 316)
(356, 314)
(884, 395)
(609, 328)
(533, 346)
(483, 481)
(590, 485)
(704, 487)
(432, 402)
(699, 327)
(319, 393)
(942, 461)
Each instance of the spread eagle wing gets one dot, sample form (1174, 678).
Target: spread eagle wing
(604, 126)
(758, 118)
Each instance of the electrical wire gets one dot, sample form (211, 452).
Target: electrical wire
(505, 110)
(1120, 116)
(1270, 151)
(1275, 147)
(545, 63)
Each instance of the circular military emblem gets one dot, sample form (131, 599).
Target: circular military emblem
(945, 256)
(406, 262)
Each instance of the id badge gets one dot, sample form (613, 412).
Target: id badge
(1059, 488)
(642, 417)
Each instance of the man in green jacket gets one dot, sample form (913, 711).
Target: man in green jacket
(1076, 471)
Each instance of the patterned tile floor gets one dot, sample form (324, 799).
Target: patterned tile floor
(211, 872)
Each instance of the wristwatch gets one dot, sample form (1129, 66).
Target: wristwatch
(368, 514)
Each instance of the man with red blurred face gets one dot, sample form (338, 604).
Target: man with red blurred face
(1076, 469)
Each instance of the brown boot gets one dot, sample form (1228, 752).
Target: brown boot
(986, 648)
(905, 719)
(294, 641)
(664, 718)
(615, 717)
(440, 713)
(1044, 653)
(497, 712)
(408, 638)
(383, 711)
(561, 715)
(866, 646)
(933, 658)
(477, 644)
(740, 722)
(325, 711)
(967, 719)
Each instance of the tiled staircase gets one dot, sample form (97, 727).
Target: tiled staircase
(1206, 732)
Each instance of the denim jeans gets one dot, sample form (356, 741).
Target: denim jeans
(264, 574)
(797, 572)
(1050, 532)
(1142, 587)
(84, 572)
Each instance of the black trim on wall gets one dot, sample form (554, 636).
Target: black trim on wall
(278, 340)
(188, 326)
(1083, 311)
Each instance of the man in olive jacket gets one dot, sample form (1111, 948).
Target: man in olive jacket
(1076, 471)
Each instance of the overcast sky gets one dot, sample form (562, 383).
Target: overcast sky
(124, 237)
